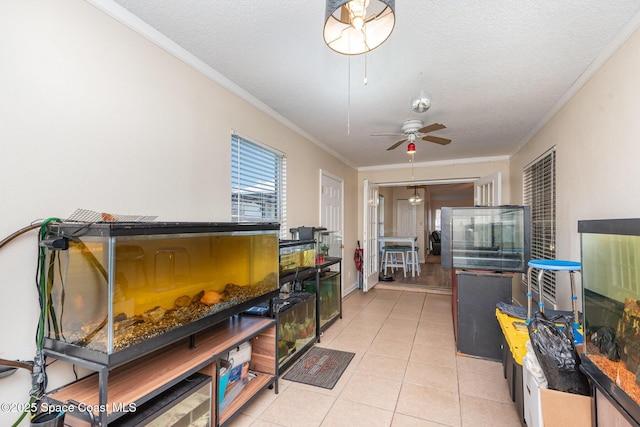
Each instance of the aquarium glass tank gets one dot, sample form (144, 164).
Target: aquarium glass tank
(296, 256)
(328, 245)
(495, 238)
(329, 296)
(296, 325)
(118, 289)
(611, 296)
(186, 404)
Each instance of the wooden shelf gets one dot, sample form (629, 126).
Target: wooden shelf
(140, 380)
(250, 389)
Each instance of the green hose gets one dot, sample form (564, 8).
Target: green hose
(43, 279)
(24, 414)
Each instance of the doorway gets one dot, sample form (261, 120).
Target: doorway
(402, 218)
(406, 218)
(332, 208)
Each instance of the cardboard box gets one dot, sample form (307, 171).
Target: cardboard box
(531, 392)
(560, 409)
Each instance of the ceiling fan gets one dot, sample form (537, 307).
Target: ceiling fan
(413, 129)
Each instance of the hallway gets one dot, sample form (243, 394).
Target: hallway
(405, 372)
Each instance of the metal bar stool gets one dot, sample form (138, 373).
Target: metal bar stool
(554, 265)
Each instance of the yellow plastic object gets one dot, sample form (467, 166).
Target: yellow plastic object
(516, 337)
(516, 334)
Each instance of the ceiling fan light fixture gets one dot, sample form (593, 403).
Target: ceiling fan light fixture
(358, 26)
(411, 148)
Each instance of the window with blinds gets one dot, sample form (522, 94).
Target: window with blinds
(539, 192)
(258, 180)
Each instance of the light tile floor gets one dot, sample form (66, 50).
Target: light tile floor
(405, 373)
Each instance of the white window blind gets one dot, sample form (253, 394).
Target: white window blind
(257, 183)
(539, 192)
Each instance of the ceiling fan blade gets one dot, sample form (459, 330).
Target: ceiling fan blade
(436, 139)
(387, 134)
(432, 127)
(396, 144)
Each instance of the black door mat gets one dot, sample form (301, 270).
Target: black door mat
(320, 367)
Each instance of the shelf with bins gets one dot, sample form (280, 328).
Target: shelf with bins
(141, 380)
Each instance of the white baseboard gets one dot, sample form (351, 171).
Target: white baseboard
(347, 290)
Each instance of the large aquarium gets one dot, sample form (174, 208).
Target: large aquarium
(611, 294)
(117, 290)
(494, 238)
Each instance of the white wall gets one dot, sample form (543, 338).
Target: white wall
(94, 116)
(597, 138)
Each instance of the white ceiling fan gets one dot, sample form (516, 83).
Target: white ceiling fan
(413, 129)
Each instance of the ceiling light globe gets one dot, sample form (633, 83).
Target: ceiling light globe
(421, 104)
(358, 26)
(415, 200)
(357, 23)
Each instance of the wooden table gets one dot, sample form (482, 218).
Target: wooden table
(383, 240)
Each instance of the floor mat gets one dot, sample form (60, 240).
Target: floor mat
(320, 367)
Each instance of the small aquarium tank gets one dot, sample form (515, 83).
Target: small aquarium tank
(296, 326)
(117, 290)
(329, 296)
(611, 296)
(296, 256)
(328, 246)
(492, 238)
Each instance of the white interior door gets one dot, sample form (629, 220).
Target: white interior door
(332, 206)
(488, 190)
(370, 236)
(406, 218)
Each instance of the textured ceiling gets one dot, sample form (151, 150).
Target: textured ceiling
(496, 70)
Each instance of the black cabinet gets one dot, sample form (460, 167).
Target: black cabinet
(477, 330)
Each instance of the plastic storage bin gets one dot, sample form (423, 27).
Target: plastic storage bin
(225, 372)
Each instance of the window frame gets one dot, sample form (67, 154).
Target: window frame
(539, 192)
(257, 166)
